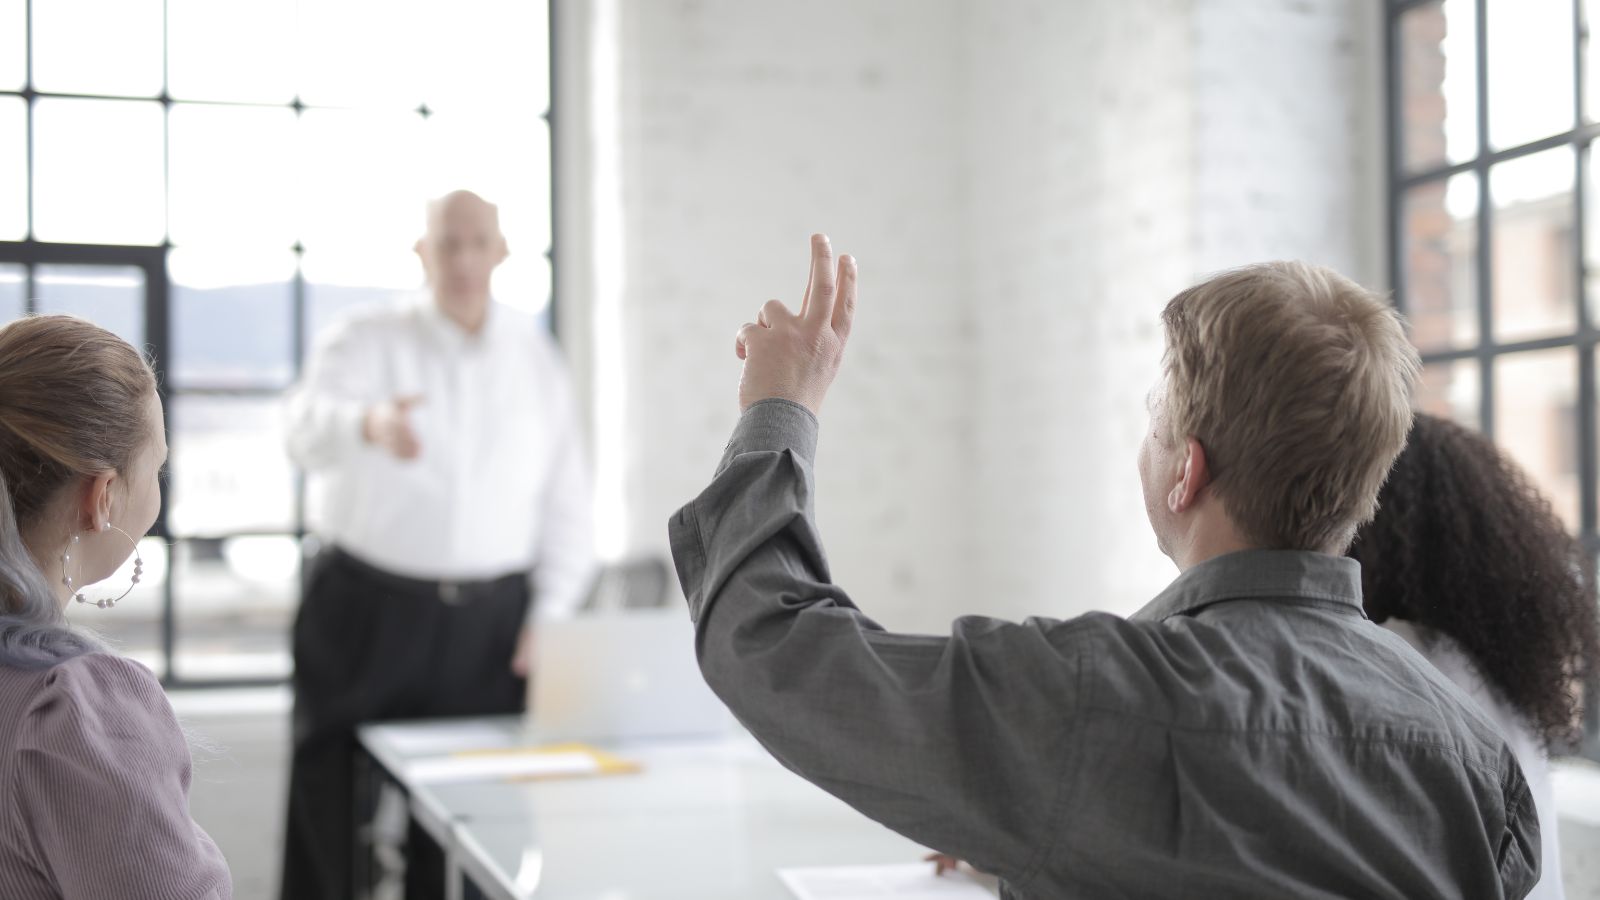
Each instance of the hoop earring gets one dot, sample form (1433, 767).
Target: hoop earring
(66, 577)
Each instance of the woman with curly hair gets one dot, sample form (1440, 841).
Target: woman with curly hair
(1468, 563)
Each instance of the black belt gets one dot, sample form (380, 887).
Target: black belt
(452, 591)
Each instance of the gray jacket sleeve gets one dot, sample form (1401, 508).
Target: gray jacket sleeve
(959, 742)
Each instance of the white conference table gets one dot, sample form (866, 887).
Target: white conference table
(704, 819)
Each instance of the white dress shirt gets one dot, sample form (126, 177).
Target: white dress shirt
(1448, 657)
(500, 485)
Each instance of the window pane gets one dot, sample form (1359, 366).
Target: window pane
(524, 282)
(232, 318)
(1533, 245)
(13, 285)
(1441, 262)
(238, 50)
(229, 469)
(13, 44)
(234, 602)
(361, 52)
(98, 172)
(1536, 421)
(506, 159)
(335, 287)
(358, 177)
(133, 627)
(98, 47)
(232, 178)
(1591, 235)
(1452, 390)
(109, 296)
(1438, 83)
(1530, 70)
(13, 169)
(487, 54)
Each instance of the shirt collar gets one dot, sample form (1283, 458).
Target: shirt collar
(445, 329)
(1259, 574)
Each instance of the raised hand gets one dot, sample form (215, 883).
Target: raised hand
(795, 357)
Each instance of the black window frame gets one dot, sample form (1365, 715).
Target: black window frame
(1584, 336)
(152, 259)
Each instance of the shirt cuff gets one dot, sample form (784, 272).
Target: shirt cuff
(768, 426)
(774, 425)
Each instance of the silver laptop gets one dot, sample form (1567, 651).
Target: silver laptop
(619, 676)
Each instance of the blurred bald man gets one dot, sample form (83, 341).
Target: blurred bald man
(442, 439)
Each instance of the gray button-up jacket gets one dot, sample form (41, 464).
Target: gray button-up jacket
(1247, 734)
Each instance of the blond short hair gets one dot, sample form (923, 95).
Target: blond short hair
(1297, 382)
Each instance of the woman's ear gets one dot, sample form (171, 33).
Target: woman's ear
(94, 509)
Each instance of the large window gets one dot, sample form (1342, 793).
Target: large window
(1495, 245)
(216, 182)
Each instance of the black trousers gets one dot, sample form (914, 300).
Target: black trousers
(369, 646)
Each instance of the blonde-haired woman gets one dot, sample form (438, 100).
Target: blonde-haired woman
(94, 771)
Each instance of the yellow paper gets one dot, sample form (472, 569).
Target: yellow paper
(604, 763)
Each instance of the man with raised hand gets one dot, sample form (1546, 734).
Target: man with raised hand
(1247, 734)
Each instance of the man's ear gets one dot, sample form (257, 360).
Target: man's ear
(504, 251)
(1194, 477)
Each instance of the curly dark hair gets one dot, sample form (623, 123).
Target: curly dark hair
(1465, 545)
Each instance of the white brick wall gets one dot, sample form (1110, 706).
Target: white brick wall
(1081, 220)
(1288, 148)
(747, 126)
(1025, 183)
(1142, 145)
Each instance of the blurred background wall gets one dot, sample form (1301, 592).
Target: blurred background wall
(1025, 184)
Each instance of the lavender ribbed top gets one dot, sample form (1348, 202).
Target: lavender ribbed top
(94, 788)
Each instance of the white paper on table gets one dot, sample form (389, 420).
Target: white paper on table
(447, 738)
(492, 766)
(906, 881)
(1576, 786)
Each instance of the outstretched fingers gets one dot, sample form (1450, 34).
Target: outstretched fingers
(819, 301)
(844, 310)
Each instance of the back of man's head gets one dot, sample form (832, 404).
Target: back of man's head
(1297, 382)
